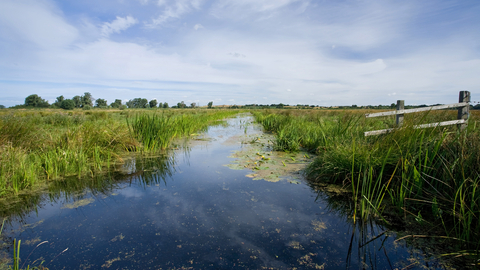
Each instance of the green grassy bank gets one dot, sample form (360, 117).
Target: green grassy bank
(428, 178)
(37, 146)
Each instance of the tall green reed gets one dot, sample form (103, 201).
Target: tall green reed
(432, 174)
(45, 145)
(157, 131)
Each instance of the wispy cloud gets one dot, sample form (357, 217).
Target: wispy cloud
(252, 5)
(237, 55)
(173, 10)
(118, 25)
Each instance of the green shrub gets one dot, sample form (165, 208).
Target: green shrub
(67, 104)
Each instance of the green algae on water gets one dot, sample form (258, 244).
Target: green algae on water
(79, 203)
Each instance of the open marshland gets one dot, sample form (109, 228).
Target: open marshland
(233, 196)
(37, 146)
(427, 180)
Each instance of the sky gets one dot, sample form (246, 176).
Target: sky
(315, 52)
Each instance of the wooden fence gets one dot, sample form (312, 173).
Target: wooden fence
(462, 118)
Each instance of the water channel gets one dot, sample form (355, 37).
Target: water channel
(223, 201)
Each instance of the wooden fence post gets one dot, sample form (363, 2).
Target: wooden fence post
(463, 112)
(400, 106)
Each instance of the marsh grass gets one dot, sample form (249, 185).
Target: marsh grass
(45, 145)
(430, 176)
(157, 131)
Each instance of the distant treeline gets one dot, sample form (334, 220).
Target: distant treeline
(86, 101)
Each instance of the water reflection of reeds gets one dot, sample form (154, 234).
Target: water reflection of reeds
(371, 238)
(143, 170)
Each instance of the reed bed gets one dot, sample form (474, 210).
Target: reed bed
(157, 131)
(37, 146)
(428, 176)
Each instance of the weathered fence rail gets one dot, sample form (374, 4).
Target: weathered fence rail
(462, 117)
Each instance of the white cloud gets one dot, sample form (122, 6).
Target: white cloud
(174, 11)
(238, 55)
(198, 26)
(34, 22)
(253, 5)
(118, 25)
(360, 57)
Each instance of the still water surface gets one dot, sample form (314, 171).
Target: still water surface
(190, 211)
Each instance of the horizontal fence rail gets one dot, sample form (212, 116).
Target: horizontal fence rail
(462, 119)
(439, 124)
(425, 109)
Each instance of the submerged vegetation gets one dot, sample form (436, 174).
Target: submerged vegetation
(427, 179)
(39, 146)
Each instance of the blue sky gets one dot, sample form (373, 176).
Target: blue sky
(324, 53)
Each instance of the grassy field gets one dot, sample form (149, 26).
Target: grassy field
(427, 178)
(38, 146)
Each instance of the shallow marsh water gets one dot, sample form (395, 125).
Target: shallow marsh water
(225, 201)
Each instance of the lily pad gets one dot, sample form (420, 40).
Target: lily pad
(262, 163)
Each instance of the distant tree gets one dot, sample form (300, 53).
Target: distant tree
(67, 104)
(116, 104)
(153, 103)
(78, 101)
(59, 101)
(181, 105)
(137, 103)
(160, 105)
(210, 104)
(36, 101)
(2, 107)
(87, 99)
(100, 102)
(165, 105)
(193, 105)
(143, 103)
